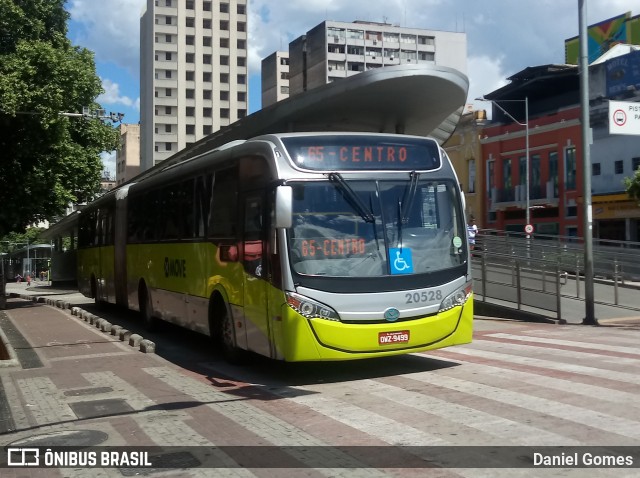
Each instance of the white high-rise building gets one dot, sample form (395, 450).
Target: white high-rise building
(193, 73)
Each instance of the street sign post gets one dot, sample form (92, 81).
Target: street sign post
(624, 117)
(528, 228)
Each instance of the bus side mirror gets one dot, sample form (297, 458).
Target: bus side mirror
(284, 207)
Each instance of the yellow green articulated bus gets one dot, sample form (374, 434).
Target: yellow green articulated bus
(295, 246)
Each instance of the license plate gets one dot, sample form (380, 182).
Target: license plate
(390, 338)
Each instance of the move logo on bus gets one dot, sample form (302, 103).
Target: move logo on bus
(175, 267)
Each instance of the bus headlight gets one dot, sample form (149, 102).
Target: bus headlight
(311, 309)
(458, 297)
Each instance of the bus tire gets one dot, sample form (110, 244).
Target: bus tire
(146, 308)
(222, 331)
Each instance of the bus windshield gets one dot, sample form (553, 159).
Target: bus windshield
(393, 227)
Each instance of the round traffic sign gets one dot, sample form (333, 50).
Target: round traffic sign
(528, 228)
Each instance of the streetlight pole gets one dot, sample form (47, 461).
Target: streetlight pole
(590, 316)
(526, 148)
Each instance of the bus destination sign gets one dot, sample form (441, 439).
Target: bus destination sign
(353, 153)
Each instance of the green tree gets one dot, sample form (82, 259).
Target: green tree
(633, 185)
(48, 160)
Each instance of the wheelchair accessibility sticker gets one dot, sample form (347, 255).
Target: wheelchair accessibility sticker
(400, 259)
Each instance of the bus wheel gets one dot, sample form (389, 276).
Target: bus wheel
(146, 309)
(223, 332)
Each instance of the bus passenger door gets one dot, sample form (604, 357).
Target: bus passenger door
(253, 257)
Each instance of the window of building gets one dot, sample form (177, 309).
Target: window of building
(224, 7)
(206, 41)
(635, 164)
(242, 27)
(404, 38)
(206, 129)
(190, 111)
(595, 169)
(167, 74)
(242, 96)
(190, 22)
(167, 128)
(224, 96)
(167, 110)
(224, 77)
(224, 43)
(206, 23)
(242, 113)
(619, 167)
(242, 9)
(167, 56)
(422, 40)
(168, 38)
(168, 20)
(167, 92)
(471, 187)
(190, 40)
(242, 45)
(167, 146)
(206, 59)
(242, 79)
(355, 34)
(190, 75)
(189, 5)
(553, 172)
(190, 58)
(206, 6)
(190, 93)
(206, 112)
(242, 61)
(224, 24)
(206, 77)
(206, 94)
(570, 167)
(224, 112)
(426, 56)
(190, 129)
(224, 60)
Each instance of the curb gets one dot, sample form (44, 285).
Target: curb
(143, 345)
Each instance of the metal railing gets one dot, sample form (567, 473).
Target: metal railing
(540, 270)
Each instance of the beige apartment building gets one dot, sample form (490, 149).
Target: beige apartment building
(193, 73)
(275, 78)
(334, 50)
(128, 153)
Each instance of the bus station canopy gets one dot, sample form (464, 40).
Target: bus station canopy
(422, 100)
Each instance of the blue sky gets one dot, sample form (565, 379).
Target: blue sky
(503, 36)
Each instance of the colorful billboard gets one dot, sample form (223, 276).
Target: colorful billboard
(601, 37)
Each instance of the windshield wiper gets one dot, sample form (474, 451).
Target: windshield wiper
(351, 197)
(409, 196)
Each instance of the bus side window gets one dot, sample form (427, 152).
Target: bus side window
(222, 222)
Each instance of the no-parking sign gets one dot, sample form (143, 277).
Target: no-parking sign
(624, 117)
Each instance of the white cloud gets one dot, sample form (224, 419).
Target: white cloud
(111, 95)
(111, 29)
(486, 75)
